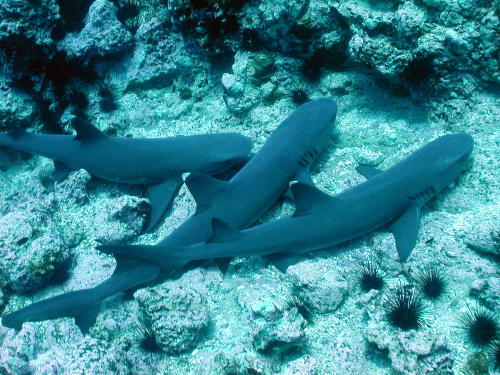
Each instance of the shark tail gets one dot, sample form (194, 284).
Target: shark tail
(165, 257)
(72, 304)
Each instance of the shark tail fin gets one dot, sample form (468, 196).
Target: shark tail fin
(64, 305)
(162, 256)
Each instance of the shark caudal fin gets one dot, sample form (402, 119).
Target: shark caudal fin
(72, 304)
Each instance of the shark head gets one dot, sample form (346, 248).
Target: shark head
(309, 129)
(447, 157)
(320, 115)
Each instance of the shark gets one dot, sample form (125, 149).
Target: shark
(240, 201)
(392, 198)
(157, 163)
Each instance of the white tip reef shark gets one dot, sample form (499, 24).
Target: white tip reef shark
(286, 156)
(391, 198)
(155, 162)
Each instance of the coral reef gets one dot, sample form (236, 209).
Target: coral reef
(102, 35)
(403, 72)
(178, 313)
(121, 220)
(31, 250)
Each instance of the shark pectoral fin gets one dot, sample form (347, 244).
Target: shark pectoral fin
(85, 131)
(405, 230)
(367, 171)
(222, 231)
(283, 261)
(86, 317)
(307, 197)
(204, 188)
(61, 171)
(303, 175)
(160, 196)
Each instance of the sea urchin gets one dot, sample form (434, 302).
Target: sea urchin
(480, 324)
(404, 308)
(431, 281)
(370, 276)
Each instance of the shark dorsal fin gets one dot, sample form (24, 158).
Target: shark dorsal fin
(368, 171)
(405, 230)
(222, 231)
(85, 131)
(307, 197)
(204, 188)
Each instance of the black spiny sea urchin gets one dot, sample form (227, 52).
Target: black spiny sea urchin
(431, 281)
(144, 332)
(299, 95)
(370, 276)
(106, 91)
(404, 308)
(76, 95)
(480, 325)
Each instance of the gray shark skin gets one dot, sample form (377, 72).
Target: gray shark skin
(84, 305)
(240, 201)
(156, 162)
(393, 197)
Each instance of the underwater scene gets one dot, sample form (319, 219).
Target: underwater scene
(249, 187)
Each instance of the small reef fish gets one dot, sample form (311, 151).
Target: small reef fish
(391, 198)
(155, 162)
(286, 156)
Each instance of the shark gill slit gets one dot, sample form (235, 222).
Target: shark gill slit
(308, 157)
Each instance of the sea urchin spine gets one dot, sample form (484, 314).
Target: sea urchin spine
(404, 308)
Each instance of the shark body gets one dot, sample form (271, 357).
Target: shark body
(155, 162)
(391, 198)
(240, 201)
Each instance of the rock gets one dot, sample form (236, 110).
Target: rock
(302, 366)
(477, 364)
(413, 46)
(319, 285)
(31, 250)
(276, 325)
(73, 189)
(103, 34)
(178, 314)
(407, 349)
(487, 291)
(480, 230)
(86, 356)
(295, 27)
(159, 57)
(284, 334)
(34, 24)
(239, 96)
(19, 349)
(121, 220)
(16, 108)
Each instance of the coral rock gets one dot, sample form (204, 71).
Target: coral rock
(103, 34)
